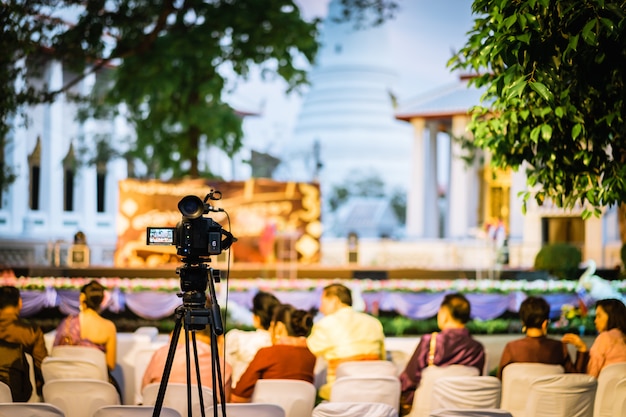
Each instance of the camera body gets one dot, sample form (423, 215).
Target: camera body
(196, 237)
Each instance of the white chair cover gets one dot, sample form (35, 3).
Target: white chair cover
(91, 354)
(565, 395)
(382, 389)
(619, 401)
(472, 412)
(296, 397)
(176, 397)
(516, 380)
(607, 383)
(248, 410)
(151, 331)
(30, 410)
(354, 409)
(366, 368)
(466, 392)
(58, 367)
(34, 397)
(80, 397)
(141, 360)
(134, 411)
(5, 393)
(422, 399)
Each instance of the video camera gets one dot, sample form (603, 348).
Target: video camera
(196, 237)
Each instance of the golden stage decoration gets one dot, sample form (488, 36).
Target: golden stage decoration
(262, 212)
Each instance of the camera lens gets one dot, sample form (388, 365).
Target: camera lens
(191, 207)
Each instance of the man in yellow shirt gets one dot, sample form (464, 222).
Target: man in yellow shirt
(344, 334)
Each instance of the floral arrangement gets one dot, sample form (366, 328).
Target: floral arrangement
(574, 318)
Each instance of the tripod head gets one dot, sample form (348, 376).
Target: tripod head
(195, 277)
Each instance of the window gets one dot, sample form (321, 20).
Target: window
(34, 169)
(69, 172)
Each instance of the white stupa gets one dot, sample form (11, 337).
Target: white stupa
(347, 116)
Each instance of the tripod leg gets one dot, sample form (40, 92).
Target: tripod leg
(197, 366)
(168, 367)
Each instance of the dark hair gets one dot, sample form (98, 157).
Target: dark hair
(458, 305)
(94, 294)
(533, 312)
(9, 296)
(340, 291)
(297, 322)
(616, 311)
(263, 305)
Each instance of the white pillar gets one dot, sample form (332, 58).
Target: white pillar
(53, 149)
(593, 241)
(86, 178)
(431, 198)
(415, 200)
(463, 188)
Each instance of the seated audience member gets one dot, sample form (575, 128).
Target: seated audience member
(536, 346)
(452, 346)
(89, 328)
(178, 372)
(609, 346)
(287, 358)
(17, 338)
(344, 334)
(240, 345)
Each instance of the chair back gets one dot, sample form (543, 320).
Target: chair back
(247, 410)
(607, 384)
(151, 331)
(423, 393)
(354, 409)
(133, 411)
(80, 397)
(295, 396)
(565, 395)
(5, 393)
(466, 392)
(87, 353)
(30, 410)
(58, 367)
(176, 397)
(382, 389)
(516, 380)
(141, 360)
(619, 402)
(366, 368)
(471, 412)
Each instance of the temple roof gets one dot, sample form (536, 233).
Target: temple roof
(447, 101)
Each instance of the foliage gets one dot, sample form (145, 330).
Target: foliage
(554, 104)
(559, 259)
(623, 255)
(166, 61)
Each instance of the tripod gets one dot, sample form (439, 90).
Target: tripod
(194, 315)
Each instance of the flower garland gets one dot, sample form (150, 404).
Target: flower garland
(308, 284)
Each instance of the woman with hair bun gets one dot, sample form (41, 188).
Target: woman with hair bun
(89, 328)
(287, 358)
(241, 345)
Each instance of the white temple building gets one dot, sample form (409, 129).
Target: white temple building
(54, 197)
(347, 121)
